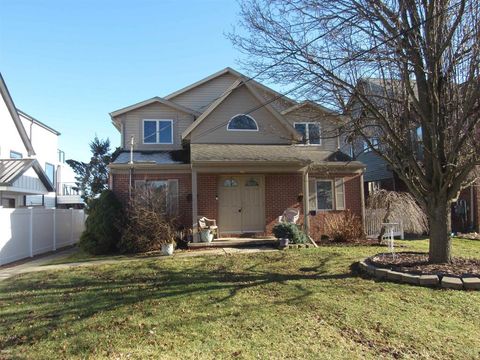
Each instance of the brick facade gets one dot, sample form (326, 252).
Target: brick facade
(282, 191)
(119, 185)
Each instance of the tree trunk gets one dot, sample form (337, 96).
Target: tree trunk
(440, 244)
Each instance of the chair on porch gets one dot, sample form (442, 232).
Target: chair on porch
(208, 224)
(290, 216)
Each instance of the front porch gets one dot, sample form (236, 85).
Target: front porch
(237, 242)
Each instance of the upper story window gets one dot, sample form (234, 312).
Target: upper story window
(15, 155)
(61, 156)
(50, 171)
(242, 122)
(157, 131)
(373, 141)
(310, 131)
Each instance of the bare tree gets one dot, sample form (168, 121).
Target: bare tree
(423, 57)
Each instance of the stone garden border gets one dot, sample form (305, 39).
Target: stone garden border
(297, 246)
(446, 282)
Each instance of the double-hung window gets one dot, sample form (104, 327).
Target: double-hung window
(327, 194)
(157, 131)
(167, 188)
(310, 131)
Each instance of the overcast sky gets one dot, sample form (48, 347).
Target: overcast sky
(70, 63)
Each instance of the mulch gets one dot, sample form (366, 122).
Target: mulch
(417, 263)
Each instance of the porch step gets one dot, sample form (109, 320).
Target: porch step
(235, 243)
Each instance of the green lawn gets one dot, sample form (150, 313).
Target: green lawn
(292, 304)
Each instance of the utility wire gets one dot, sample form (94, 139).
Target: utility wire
(356, 56)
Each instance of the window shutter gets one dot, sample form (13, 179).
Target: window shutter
(172, 197)
(339, 194)
(312, 194)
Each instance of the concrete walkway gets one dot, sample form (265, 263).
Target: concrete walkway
(40, 264)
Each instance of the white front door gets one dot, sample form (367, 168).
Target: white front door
(241, 204)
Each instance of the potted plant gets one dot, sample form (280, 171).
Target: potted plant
(206, 235)
(168, 239)
(284, 233)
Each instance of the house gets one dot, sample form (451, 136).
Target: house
(379, 175)
(229, 148)
(32, 170)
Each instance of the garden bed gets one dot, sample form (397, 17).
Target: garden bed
(417, 263)
(413, 268)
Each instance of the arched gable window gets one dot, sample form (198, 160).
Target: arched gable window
(242, 122)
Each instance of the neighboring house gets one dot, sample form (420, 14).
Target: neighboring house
(31, 170)
(232, 149)
(379, 175)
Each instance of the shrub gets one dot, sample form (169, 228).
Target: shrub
(290, 231)
(149, 222)
(343, 227)
(103, 225)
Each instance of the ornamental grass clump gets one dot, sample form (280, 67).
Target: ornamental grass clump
(343, 227)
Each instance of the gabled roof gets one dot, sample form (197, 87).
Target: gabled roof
(153, 100)
(237, 84)
(12, 169)
(309, 103)
(228, 70)
(14, 114)
(37, 122)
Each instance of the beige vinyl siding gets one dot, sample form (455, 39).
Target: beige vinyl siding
(213, 130)
(203, 95)
(132, 124)
(328, 125)
(278, 103)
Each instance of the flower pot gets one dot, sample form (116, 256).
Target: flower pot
(206, 236)
(167, 249)
(283, 242)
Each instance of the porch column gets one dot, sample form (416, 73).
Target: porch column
(306, 203)
(194, 203)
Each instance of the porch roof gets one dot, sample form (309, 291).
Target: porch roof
(12, 169)
(273, 154)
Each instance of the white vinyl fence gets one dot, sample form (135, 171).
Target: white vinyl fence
(374, 222)
(27, 232)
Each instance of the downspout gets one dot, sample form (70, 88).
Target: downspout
(472, 207)
(130, 173)
(306, 203)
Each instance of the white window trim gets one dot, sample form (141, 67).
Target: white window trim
(242, 129)
(157, 132)
(332, 182)
(307, 134)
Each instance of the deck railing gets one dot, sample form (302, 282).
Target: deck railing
(374, 223)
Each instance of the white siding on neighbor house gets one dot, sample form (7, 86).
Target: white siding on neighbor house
(29, 183)
(133, 126)
(44, 142)
(213, 128)
(328, 125)
(10, 139)
(29, 232)
(200, 97)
